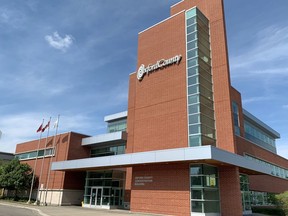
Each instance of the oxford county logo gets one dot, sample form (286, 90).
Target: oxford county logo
(163, 63)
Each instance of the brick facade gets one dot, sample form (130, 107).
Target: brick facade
(68, 146)
(157, 120)
(214, 11)
(161, 189)
(230, 194)
(157, 113)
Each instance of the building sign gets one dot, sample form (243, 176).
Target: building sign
(161, 64)
(142, 180)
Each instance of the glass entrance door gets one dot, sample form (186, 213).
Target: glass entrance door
(96, 196)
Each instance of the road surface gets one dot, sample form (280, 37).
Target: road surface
(16, 211)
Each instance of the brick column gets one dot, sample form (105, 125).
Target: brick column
(230, 194)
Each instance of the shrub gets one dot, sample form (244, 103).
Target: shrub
(282, 201)
(268, 211)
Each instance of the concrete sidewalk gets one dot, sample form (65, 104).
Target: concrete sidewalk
(71, 210)
(77, 210)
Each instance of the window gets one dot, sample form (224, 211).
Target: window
(33, 154)
(204, 189)
(120, 125)
(275, 170)
(236, 118)
(199, 81)
(107, 151)
(259, 137)
(244, 186)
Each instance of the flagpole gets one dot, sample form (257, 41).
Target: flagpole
(41, 170)
(35, 164)
(51, 158)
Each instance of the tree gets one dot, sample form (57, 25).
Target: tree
(15, 176)
(282, 200)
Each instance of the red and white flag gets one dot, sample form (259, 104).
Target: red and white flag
(40, 128)
(46, 126)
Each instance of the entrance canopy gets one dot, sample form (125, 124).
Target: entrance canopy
(201, 154)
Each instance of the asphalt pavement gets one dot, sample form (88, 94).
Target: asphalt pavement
(11, 211)
(8, 208)
(61, 210)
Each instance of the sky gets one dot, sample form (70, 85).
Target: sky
(73, 58)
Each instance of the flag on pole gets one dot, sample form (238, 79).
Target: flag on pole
(46, 126)
(40, 128)
(56, 123)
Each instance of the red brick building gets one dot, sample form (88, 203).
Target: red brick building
(186, 146)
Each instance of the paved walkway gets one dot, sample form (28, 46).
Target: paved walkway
(77, 210)
(71, 210)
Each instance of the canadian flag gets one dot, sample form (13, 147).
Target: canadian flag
(46, 126)
(40, 128)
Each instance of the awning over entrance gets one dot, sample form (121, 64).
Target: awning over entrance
(208, 154)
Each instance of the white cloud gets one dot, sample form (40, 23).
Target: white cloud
(4, 17)
(22, 127)
(254, 99)
(12, 18)
(58, 42)
(266, 56)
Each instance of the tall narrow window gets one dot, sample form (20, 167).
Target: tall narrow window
(236, 118)
(199, 80)
(204, 189)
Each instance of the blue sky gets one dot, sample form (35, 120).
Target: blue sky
(73, 58)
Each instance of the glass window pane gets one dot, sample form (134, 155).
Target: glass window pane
(192, 99)
(210, 170)
(211, 207)
(204, 57)
(207, 131)
(206, 102)
(203, 22)
(192, 45)
(207, 121)
(192, 62)
(196, 181)
(211, 194)
(194, 140)
(193, 89)
(196, 170)
(207, 111)
(208, 141)
(204, 49)
(202, 33)
(40, 153)
(194, 129)
(194, 109)
(197, 206)
(191, 21)
(193, 80)
(194, 119)
(191, 28)
(205, 83)
(192, 53)
(204, 42)
(193, 36)
(205, 74)
(196, 194)
(201, 17)
(191, 13)
(192, 71)
(204, 65)
(210, 181)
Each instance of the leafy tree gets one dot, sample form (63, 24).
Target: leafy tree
(15, 176)
(282, 200)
